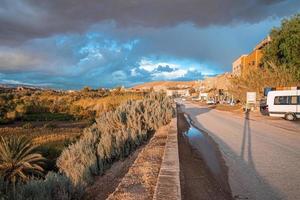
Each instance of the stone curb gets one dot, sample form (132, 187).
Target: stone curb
(168, 181)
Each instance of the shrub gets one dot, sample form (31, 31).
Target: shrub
(257, 80)
(114, 135)
(12, 115)
(20, 109)
(50, 125)
(27, 125)
(18, 160)
(51, 152)
(53, 187)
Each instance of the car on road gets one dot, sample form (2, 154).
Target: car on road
(210, 102)
(196, 99)
(284, 103)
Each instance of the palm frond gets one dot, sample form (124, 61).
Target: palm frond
(18, 159)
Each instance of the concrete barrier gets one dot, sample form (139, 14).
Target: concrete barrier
(168, 182)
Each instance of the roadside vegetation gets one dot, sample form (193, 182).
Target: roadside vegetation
(72, 159)
(55, 119)
(52, 105)
(281, 62)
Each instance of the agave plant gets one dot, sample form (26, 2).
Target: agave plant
(18, 159)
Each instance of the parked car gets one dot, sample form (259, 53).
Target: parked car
(210, 101)
(263, 107)
(284, 103)
(196, 99)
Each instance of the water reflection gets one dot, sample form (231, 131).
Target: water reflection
(203, 145)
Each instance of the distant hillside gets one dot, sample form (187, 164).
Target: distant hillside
(166, 84)
(221, 81)
(11, 87)
(4, 85)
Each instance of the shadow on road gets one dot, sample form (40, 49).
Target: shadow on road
(246, 141)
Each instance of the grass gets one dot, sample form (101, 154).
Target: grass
(50, 141)
(105, 104)
(48, 117)
(51, 151)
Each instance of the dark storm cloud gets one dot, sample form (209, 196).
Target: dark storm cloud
(27, 19)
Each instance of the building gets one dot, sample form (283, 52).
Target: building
(238, 64)
(203, 96)
(179, 92)
(244, 63)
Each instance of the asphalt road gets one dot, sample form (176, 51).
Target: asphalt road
(263, 160)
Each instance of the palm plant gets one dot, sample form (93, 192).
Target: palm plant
(18, 160)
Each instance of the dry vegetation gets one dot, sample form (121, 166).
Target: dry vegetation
(257, 80)
(115, 134)
(105, 104)
(53, 105)
(41, 135)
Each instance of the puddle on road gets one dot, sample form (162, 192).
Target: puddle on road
(203, 145)
(203, 171)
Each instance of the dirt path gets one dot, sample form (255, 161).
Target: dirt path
(197, 181)
(106, 184)
(140, 181)
(135, 177)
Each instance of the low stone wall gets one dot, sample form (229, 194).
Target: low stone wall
(168, 182)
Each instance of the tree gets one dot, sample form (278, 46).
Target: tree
(192, 91)
(284, 49)
(257, 80)
(18, 160)
(86, 89)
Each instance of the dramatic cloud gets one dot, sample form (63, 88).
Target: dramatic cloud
(107, 57)
(15, 60)
(26, 19)
(73, 43)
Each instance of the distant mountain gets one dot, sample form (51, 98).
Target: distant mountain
(14, 86)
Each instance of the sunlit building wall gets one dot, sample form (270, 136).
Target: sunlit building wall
(244, 63)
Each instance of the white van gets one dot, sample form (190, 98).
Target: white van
(284, 103)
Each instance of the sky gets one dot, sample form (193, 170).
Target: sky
(69, 44)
